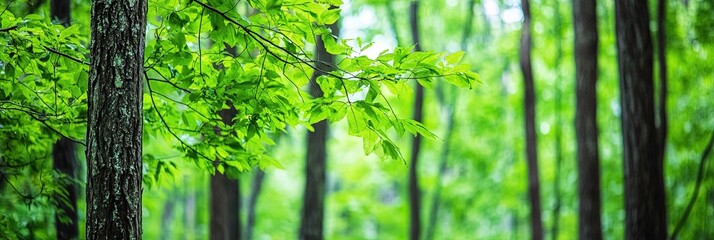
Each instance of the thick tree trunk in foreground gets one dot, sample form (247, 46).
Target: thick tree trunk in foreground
(114, 134)
(586, 130)
(531, 152)
(225, 198)
(313, 207)
(64, 158)
(645, 209)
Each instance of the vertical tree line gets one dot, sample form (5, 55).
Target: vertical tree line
(586, 130)
(64, 157)
(414, 191)
(530, 110)
(313, 207)
(645, 209)
(114, 127)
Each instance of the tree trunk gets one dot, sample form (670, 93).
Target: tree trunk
(256, 188)
(64, 158)
(313, 207)
(60, 12)
(225, 198)
(645, 209)
(557, 129)
(414, 192)
(531, 152)
(114, 134)
(586, 130)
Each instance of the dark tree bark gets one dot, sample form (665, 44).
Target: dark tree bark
(225, 197)
(414, 191)
(114, 135)
(531, 152)
(645, 209)
(313, 207)
(255, 189)
(60, 12)
(64, 158)
(586, 130)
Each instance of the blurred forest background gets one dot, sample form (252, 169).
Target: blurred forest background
(473, 178)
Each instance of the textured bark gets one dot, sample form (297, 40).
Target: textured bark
(225, 197)
(645, 209)
(414, 191)
(531, 152)
(255, 189)
(586, 130)
(114, 134)
(64, 160)
(313, 207)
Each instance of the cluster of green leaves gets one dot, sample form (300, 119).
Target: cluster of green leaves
(203, 57)
(43, 83)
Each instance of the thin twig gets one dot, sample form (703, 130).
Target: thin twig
(697, 186)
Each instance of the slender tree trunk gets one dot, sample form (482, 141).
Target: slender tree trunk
(225, 197)
(645, 209)
(313, 207)
(558, 132)
(167, 217)
(392, 18)
(114, 134)
(450, 125)
(60, 12)
(414, 191)
(586, 130)
(64, 158)
(531, 152)
(255, 189)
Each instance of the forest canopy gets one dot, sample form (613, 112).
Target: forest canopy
(209, 119)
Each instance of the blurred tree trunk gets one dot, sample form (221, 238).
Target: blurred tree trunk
(114, 126)
(414, 192)
(60, 12)
(225, 197)
(586, 130)
(645, 209)
(167, 216)
(255, 189)
(531, 148)
(448, 108)
(313, 207)
(64, 158)
(557, 129)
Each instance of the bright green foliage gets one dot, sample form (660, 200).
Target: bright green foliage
(204, 56)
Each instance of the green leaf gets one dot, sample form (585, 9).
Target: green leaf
(454, 58)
